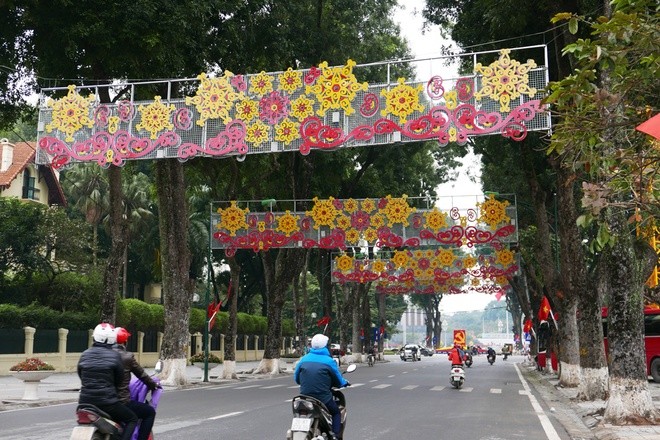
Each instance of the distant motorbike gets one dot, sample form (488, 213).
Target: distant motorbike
(491, 359)
(94, 424)
(311, 418)
(456, 376)
(371, 359)
(467, 358)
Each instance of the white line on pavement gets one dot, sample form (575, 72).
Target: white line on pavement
(545, 421)
(222, 416)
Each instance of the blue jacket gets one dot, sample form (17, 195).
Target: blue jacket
(317, 374)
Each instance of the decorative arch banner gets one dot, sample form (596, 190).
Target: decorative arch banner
(386, 222)
(318, 108)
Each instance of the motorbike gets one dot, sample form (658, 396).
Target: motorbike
(467, 359)
(94, 424)
(371, 359)
(491, 359)
(457, 376)
(311, 418)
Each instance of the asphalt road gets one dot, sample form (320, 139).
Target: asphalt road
(390, 401)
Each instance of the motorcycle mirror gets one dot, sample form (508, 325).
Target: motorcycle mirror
(351, 368)
(159, 366)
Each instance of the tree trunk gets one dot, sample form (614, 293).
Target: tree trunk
(229, 363)
(279, 273)
(118, 231)
(382, 322)
(300, 304)
(175, 264)
(628, 263)
(355, 321)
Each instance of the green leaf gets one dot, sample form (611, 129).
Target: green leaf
(573, 25)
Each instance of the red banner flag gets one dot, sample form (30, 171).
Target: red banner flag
(528, 326)
(323, 321)
(545, 309)
(211, 313)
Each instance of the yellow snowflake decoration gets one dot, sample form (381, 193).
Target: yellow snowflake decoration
(286, 131)
(336, 88)
(397, 210)
(501, 280)
(247, 110)
(261, 83)
(435, 220)
(469, 262)
(343, 222)
(446, 257)
(288, 223)
(493, 212)
(323, 212)
(371, 235)
(233, 218)
(377, 221)
(70, 113)
(290, 80)
(378, 266)
(352, 236)
(368, 205)
(402, 100)
(505, 80)
(350, 205)
(155, 117)
(400, 259)
(214, 98)
(302, 108)
(257, 133)
(504, 257)
(344, 262)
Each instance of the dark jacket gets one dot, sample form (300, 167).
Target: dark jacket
(101, 371)
(317, 373)
(131, 366)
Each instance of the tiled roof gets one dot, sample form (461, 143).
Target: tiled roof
(24, 153)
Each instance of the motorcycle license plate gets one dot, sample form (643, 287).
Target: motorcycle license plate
(300, 424)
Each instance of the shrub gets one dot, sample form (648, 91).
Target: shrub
(10, 316)
(133, 313)
(245, 324)
(157, 316)
(197, 320)
(199, 357)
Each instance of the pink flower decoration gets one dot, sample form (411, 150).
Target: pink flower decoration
(360, 220)
(273, 107)
(311, 76)
(239, 83)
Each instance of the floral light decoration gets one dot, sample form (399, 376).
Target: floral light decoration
(273, 107)
(446, 257)
(286, 131)
(302, 107)
(344, 263)
(323, 213)
(257, 133)
(493, 212)
(504, 257)
(469, 262)
(214, 98)
(368, 205)
(70, 113)
(233, 218)
(246, 109)
(290, 80)
(336, 88)
(505, 80)
(378, 266)
(400, 259)
(397, 210)
(435, 219)
(261, 84)
(351, 205)
(402, 100)
(155, 117)
(287, 223)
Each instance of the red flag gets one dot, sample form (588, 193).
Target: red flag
(545, 309)
(211, 313)
(528, 326)
(323, 321)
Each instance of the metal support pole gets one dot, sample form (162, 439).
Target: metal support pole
(207, 300)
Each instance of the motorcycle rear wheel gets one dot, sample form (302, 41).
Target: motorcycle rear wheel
(98, 436)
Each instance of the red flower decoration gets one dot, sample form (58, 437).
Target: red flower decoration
(360, 220)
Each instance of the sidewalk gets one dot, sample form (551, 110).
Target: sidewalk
(64, 387)
(583, 420)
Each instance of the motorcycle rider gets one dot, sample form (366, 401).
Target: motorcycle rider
(317, 374)
(372, 352)
(145, 412)
(491, 353)
(456, 355)
(101, 372)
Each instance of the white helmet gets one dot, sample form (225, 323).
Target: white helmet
(105, 333)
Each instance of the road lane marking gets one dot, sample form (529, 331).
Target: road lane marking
(391, 375)
(409, 387)
(466, 390)
(246, 387)
(437, 388)
(222, 416)
(496, 391)
(373, 380)
(405, 372)
(382, 385)
(272, 386)
(550, 431)
(353, 385)
(523, 392)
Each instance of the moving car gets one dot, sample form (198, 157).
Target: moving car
(410, 352)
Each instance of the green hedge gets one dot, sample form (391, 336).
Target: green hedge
(132, 314)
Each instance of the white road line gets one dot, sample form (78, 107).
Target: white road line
(466, 390)
(353, 385)
(373, 380)
(523, 392)
(272, 386)
(409, 387)
(496, 391)
(222, 416)
(295, 386)
(382, 385)
(391, 375)
(246, 387)
(437, 388)
(545, 421)
(405, 372)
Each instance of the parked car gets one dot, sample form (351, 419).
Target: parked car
(426, 351)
